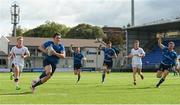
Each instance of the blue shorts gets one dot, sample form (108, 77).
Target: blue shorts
(163, 67)
(77, 66)
(108, 64)
(46, 62)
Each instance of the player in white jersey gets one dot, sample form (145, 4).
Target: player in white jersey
(136, 54)
(17, 55)
(178, 64)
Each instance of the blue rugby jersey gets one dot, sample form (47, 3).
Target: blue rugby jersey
(58, 48)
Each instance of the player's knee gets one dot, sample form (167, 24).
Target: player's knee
(16, 80)
(158, 76)
(49, 73)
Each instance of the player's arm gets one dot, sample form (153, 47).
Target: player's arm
(11, 55)
(27, 54)
(83, 58)
(100, 47)
(130, 55)
(60, 55)
(70, 48)
(159, 36)
(142, 54)
(115, 55)
(42, 49)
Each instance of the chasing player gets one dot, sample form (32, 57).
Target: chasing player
(17, 55)
(109, 53)
(51, 59)
(169, 57)
(78, 57)
(137, 53)
(178, 65)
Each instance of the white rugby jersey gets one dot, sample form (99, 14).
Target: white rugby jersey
(136, 59)
(17, 55)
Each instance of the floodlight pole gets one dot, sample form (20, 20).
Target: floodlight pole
(15, 10)
(132, 12)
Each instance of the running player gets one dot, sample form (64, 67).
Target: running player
(51, 59)
(178, 65)
(137, 53)
(109, 53)
(17, 55)
(78, 57)
(169, 57)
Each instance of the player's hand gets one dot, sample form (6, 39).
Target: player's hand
(84, 59)
(135, 55)
(159, 35)
(22, 56)
(125, 56)
(53, 52)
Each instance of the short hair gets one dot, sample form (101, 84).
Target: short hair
(136, 41)
(19, 37)
(109, 42)
(171, 42)
(56, 34)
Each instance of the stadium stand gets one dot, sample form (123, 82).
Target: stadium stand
(154, 57)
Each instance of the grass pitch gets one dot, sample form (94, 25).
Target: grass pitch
(117, 89)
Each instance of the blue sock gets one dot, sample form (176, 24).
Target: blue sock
(79, 76)
(103, 77)
(37, 84)
(160, 82)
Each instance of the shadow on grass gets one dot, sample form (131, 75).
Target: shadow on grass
(22, 93)
(149, 87)
(170, 85)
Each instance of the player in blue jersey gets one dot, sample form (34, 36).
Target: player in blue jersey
(53, 51)
(169, 57)
(109, 53)
(78, 58)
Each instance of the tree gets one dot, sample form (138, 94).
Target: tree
(47, 30)
(20, 31)
(85, 31)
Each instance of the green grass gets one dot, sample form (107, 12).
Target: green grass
(117, 89)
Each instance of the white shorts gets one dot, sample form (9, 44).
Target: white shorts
(138, 66)
(20, 66)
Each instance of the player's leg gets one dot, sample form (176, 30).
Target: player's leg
(164, 75)
(104, 72)
(47, 75)
(11, 73)
(109, 66)
(139, 69)
(178, 70)
(75, 69)
(75, 72)
(16, 76)
(160, 71)
(175, 72)
(79, 75)
(42, 79)
(134, 74)
(159, 74)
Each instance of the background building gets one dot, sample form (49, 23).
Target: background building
(88, 47)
